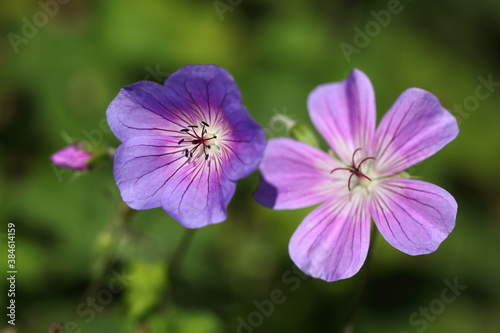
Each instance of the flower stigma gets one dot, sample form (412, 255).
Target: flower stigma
(198, 141)
(362, 178)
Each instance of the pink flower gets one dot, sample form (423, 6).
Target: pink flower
(361, 180)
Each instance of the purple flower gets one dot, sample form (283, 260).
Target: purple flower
(361, 179)
(185, 144)
(72, 157)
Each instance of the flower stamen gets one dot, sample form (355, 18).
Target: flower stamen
(197, 139)
(355, 170)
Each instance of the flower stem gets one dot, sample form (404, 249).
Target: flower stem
(175, 265)
(108, 258)
(173, 273)
(348, 326)
(105, 261)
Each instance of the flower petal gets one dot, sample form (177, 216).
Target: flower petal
(208, 91)
(199, 194)
(294, 175)
(213, 90)
(412, 215)
(344, 113)
(190, 95)
(333, 240)
(143, 167)
(243, 150)
(143, 109)
(415, 127)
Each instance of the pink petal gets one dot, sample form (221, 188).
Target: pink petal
(332, 242)
(412, 215)
(344, 113)
(295, 175)
(415, 127)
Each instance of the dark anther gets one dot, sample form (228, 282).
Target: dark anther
(199, 139)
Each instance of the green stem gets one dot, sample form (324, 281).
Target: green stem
(108, 259)
(348, 326)
(173, 273)
(175, 265)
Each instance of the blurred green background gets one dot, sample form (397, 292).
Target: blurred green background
(62, 64)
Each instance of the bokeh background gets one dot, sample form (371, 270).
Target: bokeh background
(60, 70)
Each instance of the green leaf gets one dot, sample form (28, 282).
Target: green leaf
(146, 288)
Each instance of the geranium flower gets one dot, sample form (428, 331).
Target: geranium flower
(361, 180)
(73, 157)
(184, 144)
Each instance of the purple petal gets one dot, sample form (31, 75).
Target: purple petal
(344, 113)
(415, 127)
(294, 175)
(412, 215)
(332, 242)
(206, 90)
(143, 167)
(190, 95)
(153, 171)
(199, 194)
(197, 112)
(243, 149)
(143, 109)
(213, 92)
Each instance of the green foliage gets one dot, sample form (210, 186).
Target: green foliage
(185, 322)
(147, 288)
(72, 231)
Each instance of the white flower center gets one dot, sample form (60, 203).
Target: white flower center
(198, 141)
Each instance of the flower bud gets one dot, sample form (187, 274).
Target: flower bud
(73, 157)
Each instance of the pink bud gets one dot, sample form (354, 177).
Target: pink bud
(72, 157)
